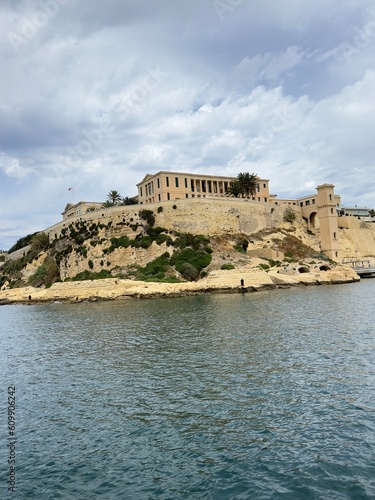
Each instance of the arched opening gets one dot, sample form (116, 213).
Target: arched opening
(324, 268)
(314, 221)
(303, 269)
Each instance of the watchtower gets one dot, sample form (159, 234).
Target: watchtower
(327, 212)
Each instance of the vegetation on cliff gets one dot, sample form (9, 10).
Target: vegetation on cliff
(134, 247)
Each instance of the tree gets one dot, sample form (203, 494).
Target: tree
(234, 189)
(129, 201)
(289, 215)
(244, 186)
(39, 242)
(107, 204)
(114, 197)
(248, 184)
(372, 212)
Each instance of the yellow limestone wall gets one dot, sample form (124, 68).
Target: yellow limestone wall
(196, 216)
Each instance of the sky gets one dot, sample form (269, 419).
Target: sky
(96, 94)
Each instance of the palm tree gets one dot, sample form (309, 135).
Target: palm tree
(248, 184)
(234, 189)
(114, 197)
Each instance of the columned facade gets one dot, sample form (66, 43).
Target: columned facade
(165, 186)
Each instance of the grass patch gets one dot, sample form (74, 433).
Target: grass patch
(227, 267)
(88, 275)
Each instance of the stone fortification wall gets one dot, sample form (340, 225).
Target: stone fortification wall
(17, 254)
(196, 216)
(348, 222)
(358, 242)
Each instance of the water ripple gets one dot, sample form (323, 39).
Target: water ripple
(260, 396)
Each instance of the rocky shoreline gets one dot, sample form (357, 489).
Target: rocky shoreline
(233, 281)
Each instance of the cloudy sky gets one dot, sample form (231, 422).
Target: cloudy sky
(95, 94)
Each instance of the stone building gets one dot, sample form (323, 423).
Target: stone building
(320, 210)
(80, 208)
(165, 186)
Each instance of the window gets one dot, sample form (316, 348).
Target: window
(258, 188)
(264, 185)
(330, 197)
(334, 236)
(168, 195)
(176, 182)
(140, 190)
(258, 198)
(158, 183)
(203, 186)
(186, 195)
(301, 204)
(167, 181)
(313, 201)
(186, 183)
(265, 200)
(192, 185)
(307, 203)
(159, 197)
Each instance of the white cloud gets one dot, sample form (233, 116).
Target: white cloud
(265, 90)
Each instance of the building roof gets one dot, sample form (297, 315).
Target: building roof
(151, 176)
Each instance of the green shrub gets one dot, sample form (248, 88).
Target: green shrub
(82, 251)
(197, 258)
(160, 209)
(144, 242)
(123, 241)
(227, 267)
(155, 269)
(289, 215)
(148, 216)
(46, 274)
(39, 242)
(198, 242)
(155, 231)
(239, 248)
(265, 267)
(88, 275)
(241, 245)
(189, 272)
(164, 238)
(91, 264)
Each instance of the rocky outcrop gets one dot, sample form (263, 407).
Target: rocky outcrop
(238, 280)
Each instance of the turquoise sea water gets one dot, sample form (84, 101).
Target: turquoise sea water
(269, 395)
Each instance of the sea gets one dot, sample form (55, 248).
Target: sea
(264, 395)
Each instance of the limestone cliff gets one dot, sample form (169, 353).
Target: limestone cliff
(178, 241)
